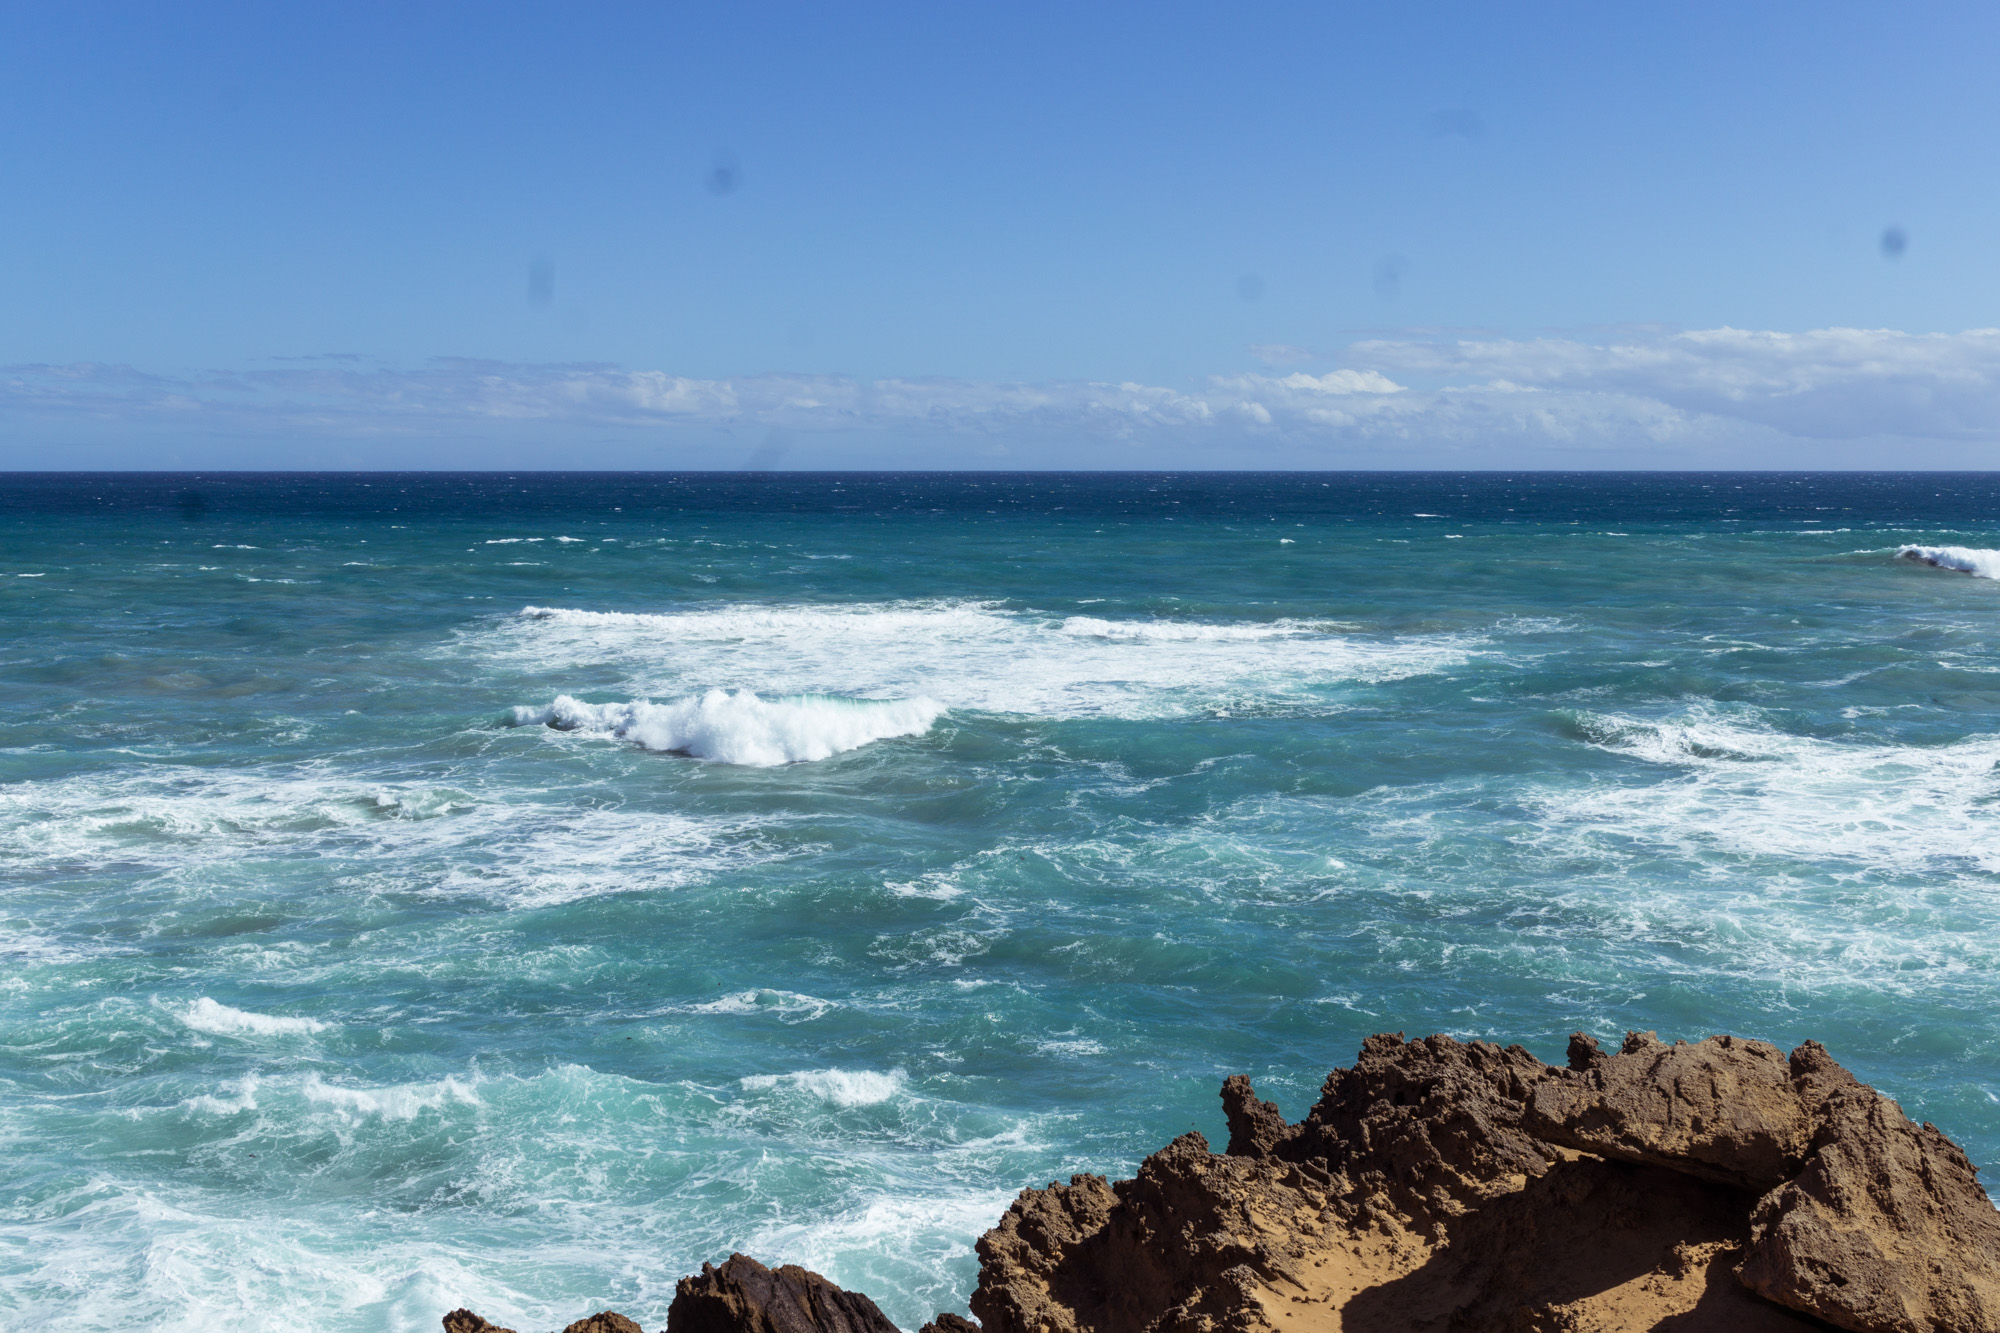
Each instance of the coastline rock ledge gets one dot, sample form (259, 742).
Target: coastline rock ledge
(1441, 1186)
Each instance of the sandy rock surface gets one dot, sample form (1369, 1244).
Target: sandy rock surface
(1713, 1185)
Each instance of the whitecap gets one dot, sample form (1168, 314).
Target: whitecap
(787, 1006)
(1979, 562)
(244, 1098)
(211, 1016)
(527, 851)
(1753, 789)
(740, 727)
(1187, 631)
(396, 1102)
(974, 655)
(842, 1087)
(1072, 1046)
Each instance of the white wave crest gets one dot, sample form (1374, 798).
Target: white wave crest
(1753, 789)
(400, 1102)
(842, 1087)
(530, 850)
(975, 655)
(786, 1006)
(1186, 631)
(741, 728)
(1689, 740)
(206, 1015)
(1976, 561)
(245, 1098)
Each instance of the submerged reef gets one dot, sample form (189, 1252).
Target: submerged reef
(1708, 1187)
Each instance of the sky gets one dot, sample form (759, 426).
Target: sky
(1492, 235)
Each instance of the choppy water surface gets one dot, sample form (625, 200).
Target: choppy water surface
(518, 890)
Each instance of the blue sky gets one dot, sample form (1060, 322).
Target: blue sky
(946, 235)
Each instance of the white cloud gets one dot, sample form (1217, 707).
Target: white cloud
(1828, 383)
(1847, 397)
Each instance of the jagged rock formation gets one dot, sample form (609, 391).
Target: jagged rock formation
(1707, 1187)
(1465, 1186)
(743, 1296)
(604, 1321)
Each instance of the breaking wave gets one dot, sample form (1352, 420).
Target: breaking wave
(1187, 631)
(217, 1019)
(977, 656)
(1976, 561)
(1754, 789)
(740, 728)
(842, 1087)
(398, 1102)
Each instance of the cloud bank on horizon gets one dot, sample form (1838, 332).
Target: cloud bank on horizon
(1033, 236)
(1707, 398)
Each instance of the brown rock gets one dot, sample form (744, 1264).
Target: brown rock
(1724, 1109)
(604, 1321)
(1886, 1229)
(464, 1321)
(1466, 1186)
(1587, 1247)
(1434, 1123)
(743, 1296)
(950, 1323)
(1255, 1127)
(1172, 1248)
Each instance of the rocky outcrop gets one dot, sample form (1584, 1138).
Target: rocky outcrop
(1177, 1246)
(1256, 1127)
(1436, 1184)
(1716, 1186)
(743, 1296)
(604, 1321)
(464, 1321)
(1721, 1109)
(1431, 1126)
(1886, 1227)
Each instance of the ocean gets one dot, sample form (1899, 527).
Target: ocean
(516, 890)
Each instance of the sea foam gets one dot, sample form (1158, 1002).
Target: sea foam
(842, 1087)
(1976, 561)
(741, 728)
(206, 1015)
(786, 1006)
(397, 1102)
(1753, 789)
(978, 656)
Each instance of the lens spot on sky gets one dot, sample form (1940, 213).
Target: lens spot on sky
(1250, 287)
(541, 281)
(1455, 122)
(1894, 241)
(1389, 271)
(724, 176)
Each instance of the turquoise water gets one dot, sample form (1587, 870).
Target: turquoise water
(977, 827)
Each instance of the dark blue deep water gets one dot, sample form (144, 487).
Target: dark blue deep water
(900, 841)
